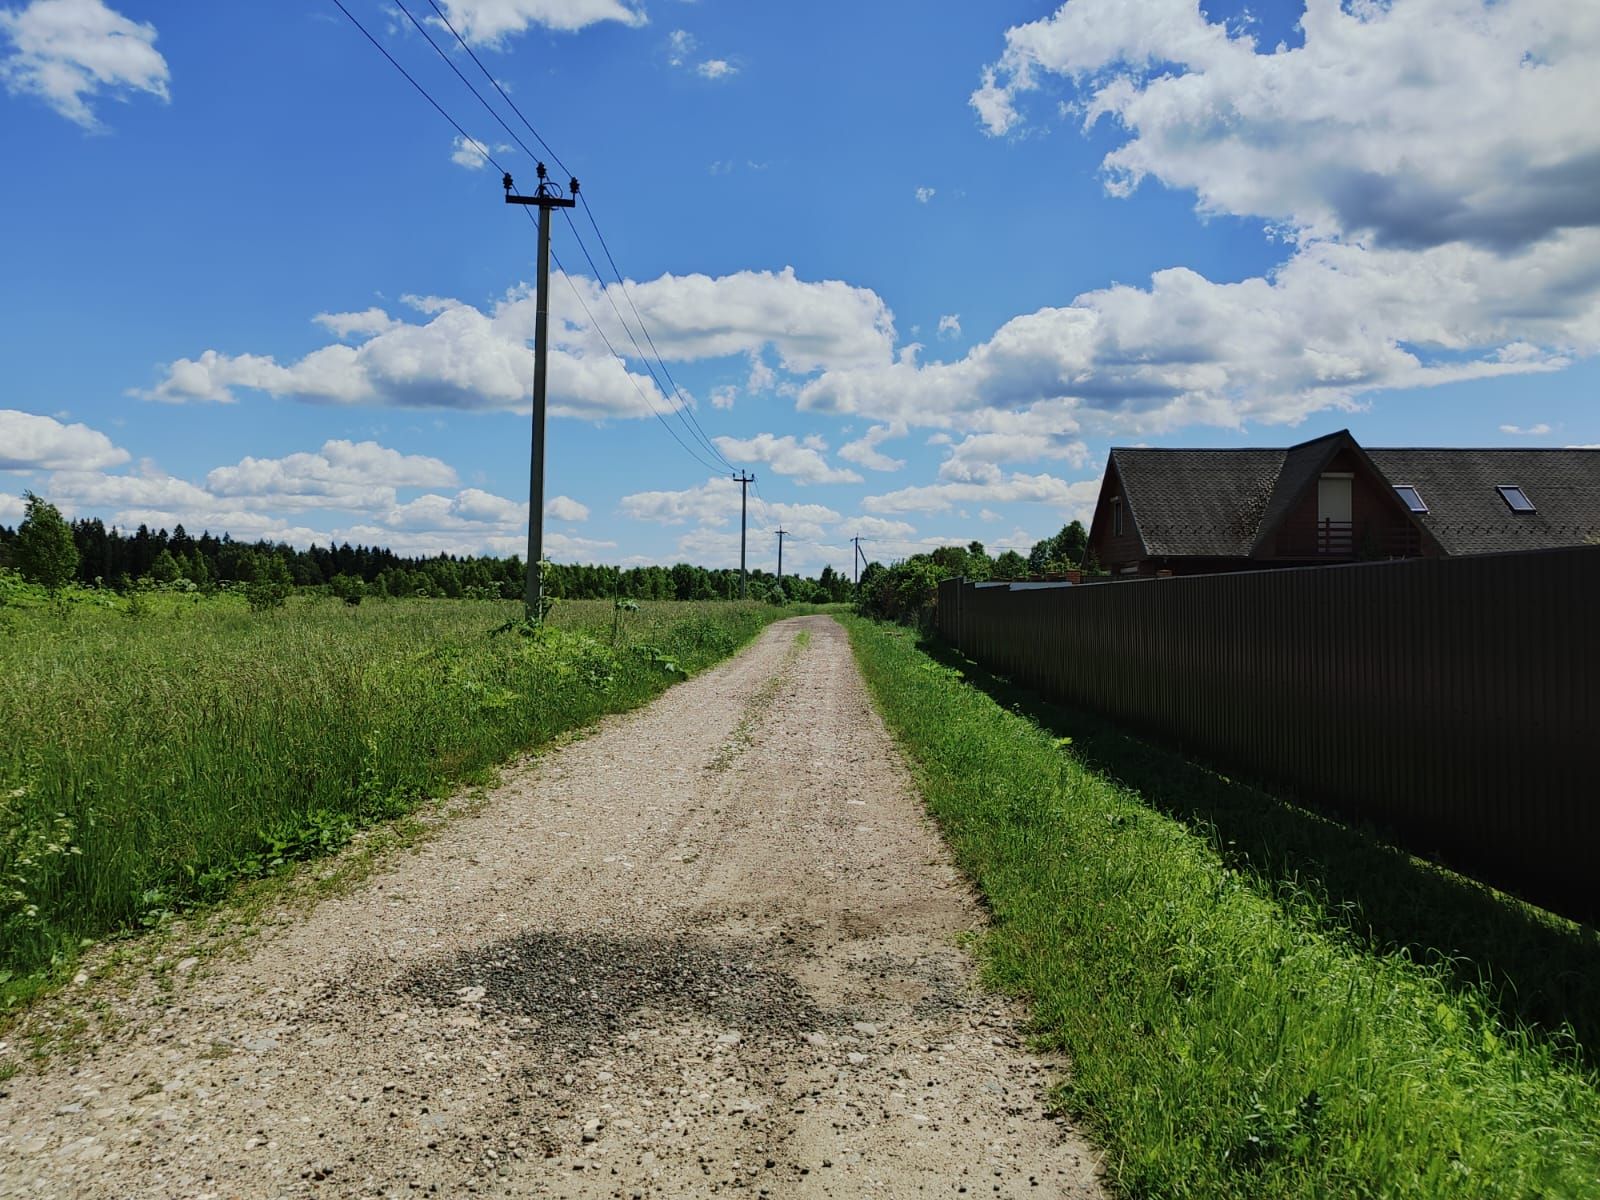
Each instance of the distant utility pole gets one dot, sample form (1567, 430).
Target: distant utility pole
(855, 559)
(744, 481)
(546, 196)
(782, 533)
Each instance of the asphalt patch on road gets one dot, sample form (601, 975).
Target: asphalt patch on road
(565, 990)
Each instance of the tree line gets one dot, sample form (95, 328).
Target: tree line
(54, 552)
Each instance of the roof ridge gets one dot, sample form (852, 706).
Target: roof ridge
(1486, 449)
(1206, 449)
(1368, 449)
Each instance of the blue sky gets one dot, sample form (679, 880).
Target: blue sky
(917, 266)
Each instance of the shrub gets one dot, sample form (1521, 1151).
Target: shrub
(266, 594)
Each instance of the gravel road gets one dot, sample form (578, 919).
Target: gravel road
(711, 947)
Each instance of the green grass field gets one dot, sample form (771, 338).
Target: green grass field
(1234, 1034)
(150, 760)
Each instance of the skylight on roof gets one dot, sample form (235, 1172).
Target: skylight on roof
(1410, 497)
(1516, 499)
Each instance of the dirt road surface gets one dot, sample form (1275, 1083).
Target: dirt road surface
(712, 948)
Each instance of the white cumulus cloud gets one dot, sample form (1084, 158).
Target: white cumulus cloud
(811, 324)
(343, 474)
(464, 357)
(1430, 165)
(977, 457)
(711, 503)
(1411, 123)
(267, 498)
(800, 460)
(460, 358)
(469, 152)
(565, 508)
(31, 442)
(355, 324)
(67, 52)
(1075, 499)
(1334, 322)
(489, 22)
(864, 450)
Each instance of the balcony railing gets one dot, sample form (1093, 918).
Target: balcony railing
(1336, 538)
(1340, 539)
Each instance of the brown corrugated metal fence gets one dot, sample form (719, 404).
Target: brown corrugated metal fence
(1453, 701)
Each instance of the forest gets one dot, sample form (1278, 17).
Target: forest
(108, 557)
(85, 552)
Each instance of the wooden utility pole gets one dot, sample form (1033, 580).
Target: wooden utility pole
(744, 481)
(782, 533)
(546, 196)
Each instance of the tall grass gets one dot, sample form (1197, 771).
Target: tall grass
(148, 760)
(1227, 1038)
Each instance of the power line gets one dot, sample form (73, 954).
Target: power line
(665, 424)
(683, 406)
(685, 412)
(439, 50)
(628, 295)
(554, 157)
(714, 467)
(424, 91)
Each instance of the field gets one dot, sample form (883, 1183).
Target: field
(155, 754)
(1237, 1029)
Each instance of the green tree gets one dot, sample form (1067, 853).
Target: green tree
(198, 572)
(1039, 557)
(1070, 544)
(349, 588)
(45, 551)
(1061, 553)
(165, 569)
(1010, 565)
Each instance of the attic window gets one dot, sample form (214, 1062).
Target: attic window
(1116, 515)
(1516, 499)
(1410, 497)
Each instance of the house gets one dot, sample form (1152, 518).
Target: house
(1329, 500)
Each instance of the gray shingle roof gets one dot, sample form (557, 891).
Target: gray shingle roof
(1201, 502)
(1468, 516)
(1215, 503)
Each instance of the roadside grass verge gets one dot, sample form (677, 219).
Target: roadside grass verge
(1230, 1035)
(1533, 966)
(151, 762)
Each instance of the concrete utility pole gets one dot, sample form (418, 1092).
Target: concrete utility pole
(782, 533)
(744, 481)
(546, 196)
(855, 559)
